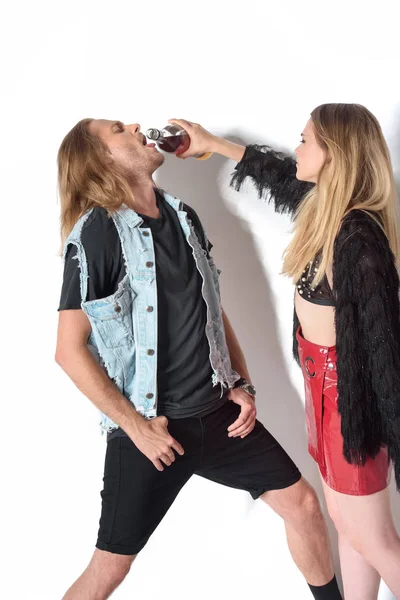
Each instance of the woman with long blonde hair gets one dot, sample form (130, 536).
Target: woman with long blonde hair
(343, 260)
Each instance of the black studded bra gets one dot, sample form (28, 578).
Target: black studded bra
(320, 294)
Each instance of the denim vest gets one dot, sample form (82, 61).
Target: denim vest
(124, 325)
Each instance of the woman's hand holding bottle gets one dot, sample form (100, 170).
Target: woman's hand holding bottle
(203, 143)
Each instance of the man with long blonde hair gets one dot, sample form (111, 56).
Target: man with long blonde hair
(142, 334)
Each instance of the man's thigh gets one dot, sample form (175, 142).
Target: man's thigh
(136, 496)
(256, 463)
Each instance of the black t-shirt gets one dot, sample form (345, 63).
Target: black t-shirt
(184, 374)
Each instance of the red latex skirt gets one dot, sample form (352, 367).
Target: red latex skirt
(325, 441)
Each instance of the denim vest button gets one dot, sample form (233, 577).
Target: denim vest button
(149, 264)
(117, 308)
(150, 352)
(149, 396)
(146, 233)
(149, 309)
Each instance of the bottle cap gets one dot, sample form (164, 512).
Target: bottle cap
(153, 134)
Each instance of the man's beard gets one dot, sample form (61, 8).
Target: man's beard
(159, 160)
(135, 169)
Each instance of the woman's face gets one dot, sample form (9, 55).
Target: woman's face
(310, 156)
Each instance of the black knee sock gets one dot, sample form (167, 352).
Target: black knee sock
(330, 591)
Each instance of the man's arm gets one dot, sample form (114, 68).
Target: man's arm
(236, 354)
(74, 357)
(246, 420)
(72, 354)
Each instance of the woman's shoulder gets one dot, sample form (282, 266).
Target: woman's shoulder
(360, 226)
(362, 240)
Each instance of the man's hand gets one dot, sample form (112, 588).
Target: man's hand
(245, 422)
(152, 438)
(201, 140)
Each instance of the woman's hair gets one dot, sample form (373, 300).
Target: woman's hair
(87, 177)
(357, 174)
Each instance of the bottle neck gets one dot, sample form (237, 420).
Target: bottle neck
(166, 132)
(154, 134)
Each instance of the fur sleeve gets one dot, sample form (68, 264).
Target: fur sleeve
(274, 176)
(366, 287)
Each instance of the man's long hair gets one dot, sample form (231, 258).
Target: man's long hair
(87, 177)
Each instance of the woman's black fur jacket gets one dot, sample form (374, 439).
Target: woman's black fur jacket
(367, 312)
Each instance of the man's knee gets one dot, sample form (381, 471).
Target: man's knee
(117, 572)
(298, 502)
(111, 568)
(307, 506)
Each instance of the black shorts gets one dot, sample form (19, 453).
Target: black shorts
(136, 496)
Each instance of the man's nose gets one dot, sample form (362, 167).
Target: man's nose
(134, 128)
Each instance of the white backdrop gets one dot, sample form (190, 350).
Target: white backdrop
(249, 70)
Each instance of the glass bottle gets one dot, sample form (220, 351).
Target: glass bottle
(174, 139)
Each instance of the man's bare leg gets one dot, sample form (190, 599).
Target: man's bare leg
(306, 530)
(102, 576)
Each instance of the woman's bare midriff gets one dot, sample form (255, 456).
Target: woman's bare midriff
(317, 322)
